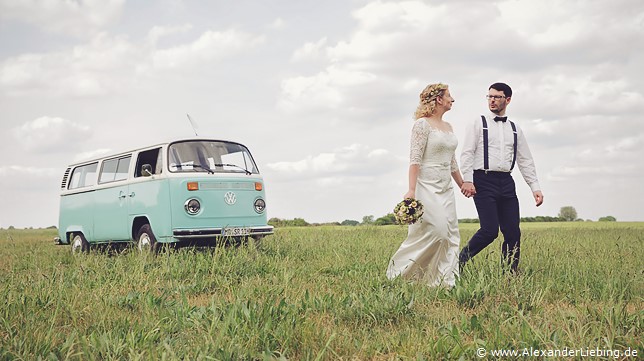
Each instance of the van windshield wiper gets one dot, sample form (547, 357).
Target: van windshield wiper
(233, 165)
(206, 168)
(196, 165)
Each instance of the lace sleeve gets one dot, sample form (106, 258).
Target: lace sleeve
(454, 165)
(419, 134)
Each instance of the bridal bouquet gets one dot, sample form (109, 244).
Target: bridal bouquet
(408, 211)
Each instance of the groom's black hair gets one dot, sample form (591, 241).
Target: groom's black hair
(502, 87)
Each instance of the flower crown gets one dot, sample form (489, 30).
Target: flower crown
(433, 94)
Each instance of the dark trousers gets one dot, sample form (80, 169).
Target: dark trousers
(498, 207)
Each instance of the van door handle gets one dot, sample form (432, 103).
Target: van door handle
(131, 195)
(122, 195)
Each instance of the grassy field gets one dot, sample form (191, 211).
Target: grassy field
(321, 294)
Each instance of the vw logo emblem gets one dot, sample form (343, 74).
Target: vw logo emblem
(230, 198)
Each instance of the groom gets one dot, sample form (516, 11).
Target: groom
(493, 146)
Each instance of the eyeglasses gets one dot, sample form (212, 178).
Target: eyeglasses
(495, 97)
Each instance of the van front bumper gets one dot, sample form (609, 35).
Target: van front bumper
(222, 232)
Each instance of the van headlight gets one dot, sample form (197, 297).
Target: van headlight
(192, 206)
(260, 205)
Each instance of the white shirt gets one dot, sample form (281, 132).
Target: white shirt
(500, 150)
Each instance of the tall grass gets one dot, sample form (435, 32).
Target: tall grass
(319, 293)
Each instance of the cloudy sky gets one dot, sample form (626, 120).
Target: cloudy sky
(322, 92)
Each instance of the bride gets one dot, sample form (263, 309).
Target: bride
(430, 252)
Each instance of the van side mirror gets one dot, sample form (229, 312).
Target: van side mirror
(146, 170)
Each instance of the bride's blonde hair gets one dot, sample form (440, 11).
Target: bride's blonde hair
(428, 96)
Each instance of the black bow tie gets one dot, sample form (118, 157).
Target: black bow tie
(500, 119)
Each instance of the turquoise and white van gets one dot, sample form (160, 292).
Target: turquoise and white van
(182, 191)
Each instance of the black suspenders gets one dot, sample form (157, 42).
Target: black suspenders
(514, 156)
(486, 161)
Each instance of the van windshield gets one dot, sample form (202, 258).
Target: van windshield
(210, 157)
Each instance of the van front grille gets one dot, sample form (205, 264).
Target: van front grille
(226, 185)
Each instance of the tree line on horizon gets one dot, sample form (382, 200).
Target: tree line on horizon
(566, 214)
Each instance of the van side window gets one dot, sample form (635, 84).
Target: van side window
(114, 169)
(151, 157)
(83, 176)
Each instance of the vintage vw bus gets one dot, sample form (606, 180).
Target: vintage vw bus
(186, 190)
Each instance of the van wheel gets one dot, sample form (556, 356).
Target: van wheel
(79, 244)
(146, 241)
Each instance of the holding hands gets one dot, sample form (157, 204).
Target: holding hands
(468, 189)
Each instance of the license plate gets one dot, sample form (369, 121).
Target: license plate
(236, 231)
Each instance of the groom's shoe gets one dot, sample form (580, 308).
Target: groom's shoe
(462, 260)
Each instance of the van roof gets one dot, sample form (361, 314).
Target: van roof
(94, 158)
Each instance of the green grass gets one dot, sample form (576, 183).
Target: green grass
(318, 294)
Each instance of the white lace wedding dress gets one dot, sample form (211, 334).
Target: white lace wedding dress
(430, 252)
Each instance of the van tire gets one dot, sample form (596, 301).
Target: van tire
(146, 242)
(79, 244)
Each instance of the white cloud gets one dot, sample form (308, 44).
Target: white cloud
(158, 32)
(324, 90)
(278, 23)
(51, 134)
(20, 71)
(633, 143)
(91, 154)
(309, 51)
(111, 64)
(413, 32)
(79, 18)
(211, 46)
(23, 171)
(344, 183)
(526, 19)
(584, 90)
(99, 67)
(309, 93)
(355, 160)
(392, 40)
(556, 24)
(384, 15)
